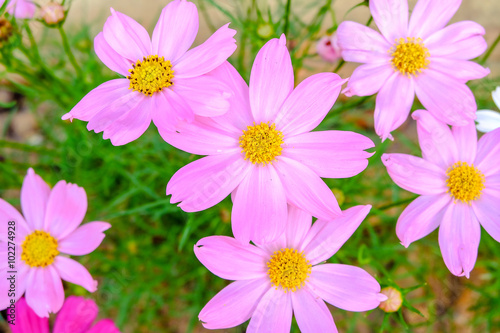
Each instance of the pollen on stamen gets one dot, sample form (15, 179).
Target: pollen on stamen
(409, 56)
(288, 269)
(261, 143)
(465, 182)
(39, 249)
(150, 75)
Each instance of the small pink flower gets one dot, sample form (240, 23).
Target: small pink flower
(458, 179)
(21, 9)
(76, 315)
(275, 279)
(43, 238)
(263, 151)
(421, 57)
(328, 48)
(52, 13)
(164, 81)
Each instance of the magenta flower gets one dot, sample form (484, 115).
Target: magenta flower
(263, 151)
(48, 232)
(164, 81)
(76, 315)
(328, 48)
(458, 179)
(421, 56)
(275, 279)
(21, 9)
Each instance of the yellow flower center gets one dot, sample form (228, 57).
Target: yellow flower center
(151, 75)
(39, 249)
(409, 56)
(261, 143)
(465, 182)
(289, 269)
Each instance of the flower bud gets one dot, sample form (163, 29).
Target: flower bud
(394, 300)
(6, 30)
(52, 13)
(329, 49)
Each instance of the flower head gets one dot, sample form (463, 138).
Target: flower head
(417, 56)
(52, 13)
(163, 81)
(263, 151)
(488, 120)
(274, 280)
(21, 9)
(76, 315)
(328, 48)
(48, 232)
(457, 178)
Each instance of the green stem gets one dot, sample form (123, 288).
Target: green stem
(490, 50)
(70, 54)
(339, 66)
(287, 16)
(397, 203)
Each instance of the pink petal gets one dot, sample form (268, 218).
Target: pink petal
(74, 272)
(368, 79)
(34, 197)
(104, 326)
(391, 17)
(393, 104)
(436, 140)
(20, 278)
(205, 182)
(271, 80)
(311, 312)
(9, 213)
(466, 139)
(273, 313)
(127, 37)
(309, 103)
(459, 236)
(44, 291)
(260, 207)
(66, 209)
(362, 44)
(326, 237)
(347, 287)
(176, 30)
(230, 259)
(448, 99)
(430, 16)
(84, 239)
(462, 40)
(205, 95)
(101, 98)
(30, 322)
(298, 224)
(207, 56)
(306, 190)
(462, 70)
(488, 153)
(330, 154)
(415, 174)
(169, 109)
(22, 9)
(76, 315)
(110, 57)
(421, 217)
(487, 211)
(234, 304)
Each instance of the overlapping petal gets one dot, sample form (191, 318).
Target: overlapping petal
(429, 16)
(9, 213)
(273, 313)
(488, 153)
(487, 210)
(44, 291)
(30, 322)
(110, 57)
(84, 239)
(74, 272)
(391, 17)
(368, 79)
(34, 197)
(311, 312)
(466, 140)
(77, 312)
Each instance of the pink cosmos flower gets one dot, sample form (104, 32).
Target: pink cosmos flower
(421, 56)
(275, 279)
(263, 151)
(458, 179)
(21, 9)
(48, 232)
(164, 81)
(76, 315)
(328, 48)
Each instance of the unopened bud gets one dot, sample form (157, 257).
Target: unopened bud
(394, 300)
(6, 30)
(52, 13)
(328, 48)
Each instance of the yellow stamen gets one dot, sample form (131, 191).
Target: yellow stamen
(151, 75)
(39, 249)
(288, 269)
(261, 143)
(409, 56)
(465, 182)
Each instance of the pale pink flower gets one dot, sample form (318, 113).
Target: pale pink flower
(275, 279)
(52, 13)
(488, 120)
(458, 179)
(76, 315)
(43, 238)
(420, 56)
(164, 81)
(328, 48)
(21, 9)
(263, 151)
